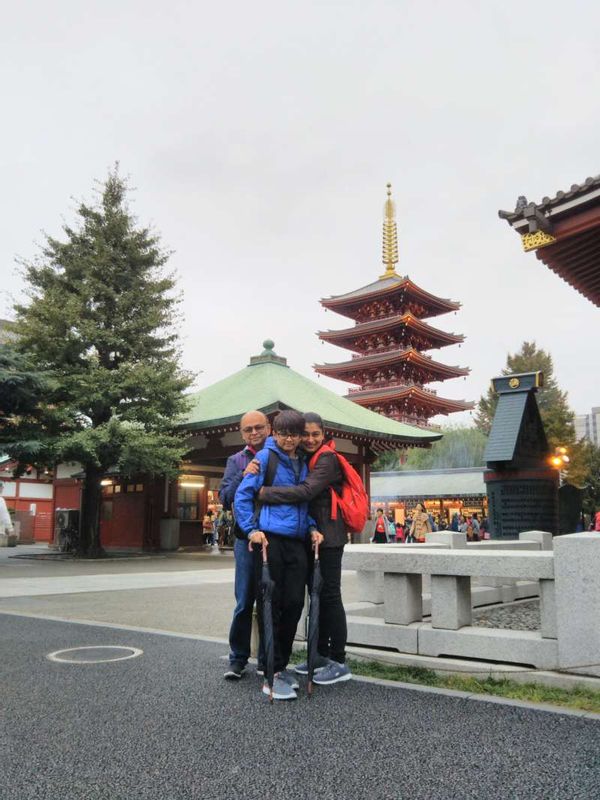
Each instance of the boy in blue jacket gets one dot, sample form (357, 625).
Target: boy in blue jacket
(284, 528)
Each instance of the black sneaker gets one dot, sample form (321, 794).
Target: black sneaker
(235, 671)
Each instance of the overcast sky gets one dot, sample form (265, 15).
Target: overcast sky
(259, 138)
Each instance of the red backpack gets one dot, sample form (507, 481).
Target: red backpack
(353, 502)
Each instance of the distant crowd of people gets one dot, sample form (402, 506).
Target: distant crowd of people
(420, 522)
(217, 528)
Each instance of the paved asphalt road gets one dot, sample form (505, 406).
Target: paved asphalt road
(166, 725)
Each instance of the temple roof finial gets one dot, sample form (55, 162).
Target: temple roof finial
(268, 355)
(390, 237)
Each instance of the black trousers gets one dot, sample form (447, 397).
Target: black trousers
(288, 566)
(333, 631)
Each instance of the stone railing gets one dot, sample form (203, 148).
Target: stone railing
(460, 575)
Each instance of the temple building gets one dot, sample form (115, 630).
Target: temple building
(564, 233)
(269, 385)
(389, 340)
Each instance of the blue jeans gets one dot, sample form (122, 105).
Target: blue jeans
(245, 594)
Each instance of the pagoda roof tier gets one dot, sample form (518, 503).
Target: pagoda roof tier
(346, 370)
(413, 394)
(346, 337)
(422, 303)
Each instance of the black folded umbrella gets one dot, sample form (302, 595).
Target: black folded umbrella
(266, 586)
(313, 618)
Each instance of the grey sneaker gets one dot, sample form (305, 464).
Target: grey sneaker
(288, 676)
(235, 671)
(281, 689)
(302, 669)
(332, 673)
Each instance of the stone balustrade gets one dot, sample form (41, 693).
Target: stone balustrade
(566, 578)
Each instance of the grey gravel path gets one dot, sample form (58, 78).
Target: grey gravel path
(166, 725)
(523, 616)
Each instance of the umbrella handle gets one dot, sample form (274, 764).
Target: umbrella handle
(316, 551)
(264, 552)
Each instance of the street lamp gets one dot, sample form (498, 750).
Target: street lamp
(559, 461)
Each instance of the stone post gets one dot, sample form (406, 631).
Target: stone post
(452, 539)
(450, 601)
(370, 586)
(577, 587)
(402, 598)
(543, 538)
(548, 609)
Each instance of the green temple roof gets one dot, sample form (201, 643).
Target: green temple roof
(268, 384)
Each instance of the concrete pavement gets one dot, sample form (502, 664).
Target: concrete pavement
(166, 725)
(76, 584)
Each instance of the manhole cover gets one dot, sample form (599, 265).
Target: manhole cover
(94, 654)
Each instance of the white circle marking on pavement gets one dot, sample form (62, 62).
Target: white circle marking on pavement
(57, 655)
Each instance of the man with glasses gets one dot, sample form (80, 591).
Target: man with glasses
(284, 529)
(255, 428)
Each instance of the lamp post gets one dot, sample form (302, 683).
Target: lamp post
(559, 461)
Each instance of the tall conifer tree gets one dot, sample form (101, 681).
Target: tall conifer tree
(100, 318)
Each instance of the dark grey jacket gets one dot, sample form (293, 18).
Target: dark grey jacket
(315, 489)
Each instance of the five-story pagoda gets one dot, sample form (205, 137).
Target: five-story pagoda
(388, 340)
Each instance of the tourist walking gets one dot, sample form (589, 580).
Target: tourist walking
(325, 476)
(380, 528)
(476, 527)
(420, 524)
(284, 528)
(483, 528)
(391, 528)
(254, 427)
(207, 527)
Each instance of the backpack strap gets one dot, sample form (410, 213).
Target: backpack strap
(327, 447)
(271, 469)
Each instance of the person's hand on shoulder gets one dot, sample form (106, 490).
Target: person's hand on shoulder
(253, 467)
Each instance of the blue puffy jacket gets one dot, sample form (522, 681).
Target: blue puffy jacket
(291, 520)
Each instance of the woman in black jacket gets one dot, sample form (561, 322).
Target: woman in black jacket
(324, 476)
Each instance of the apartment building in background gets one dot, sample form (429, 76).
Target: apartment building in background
(587, 426)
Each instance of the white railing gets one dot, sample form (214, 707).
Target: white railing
(423, 596)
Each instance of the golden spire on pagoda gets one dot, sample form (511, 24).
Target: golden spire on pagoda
(390, 237)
